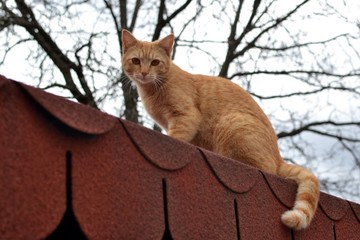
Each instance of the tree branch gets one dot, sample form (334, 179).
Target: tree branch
(161, 23)
(276, 23)
(232, 43)
(299, 45)
(338, 137)
(250, 24)
(304, 93)
(123, 13)
(308, 126)
(135, 15)
(299, 71)
(65, 65)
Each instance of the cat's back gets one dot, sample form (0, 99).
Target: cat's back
(214, 96)
(223, 94)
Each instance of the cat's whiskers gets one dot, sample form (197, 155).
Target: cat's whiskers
(159, 83)
(127, 82)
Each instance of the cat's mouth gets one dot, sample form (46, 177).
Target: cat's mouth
(143, 79)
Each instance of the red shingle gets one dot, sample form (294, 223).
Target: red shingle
(87, 120)
(68, 171)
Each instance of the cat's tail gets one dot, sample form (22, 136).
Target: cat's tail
(307, 196)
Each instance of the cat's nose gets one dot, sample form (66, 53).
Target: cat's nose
(144, 74)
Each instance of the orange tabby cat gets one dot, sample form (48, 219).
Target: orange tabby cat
(213, 113)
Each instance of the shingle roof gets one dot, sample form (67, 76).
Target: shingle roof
(68, 171)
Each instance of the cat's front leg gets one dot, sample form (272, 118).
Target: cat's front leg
(185, 127)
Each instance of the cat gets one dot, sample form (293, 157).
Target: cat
(213, 113)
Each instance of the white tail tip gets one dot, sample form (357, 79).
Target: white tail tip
(295, 219)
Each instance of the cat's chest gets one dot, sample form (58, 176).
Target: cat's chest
(167, 104)
(158, 110)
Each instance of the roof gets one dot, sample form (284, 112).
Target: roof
(70, 171)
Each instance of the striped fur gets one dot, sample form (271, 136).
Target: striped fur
(213, 113)
(307, 196)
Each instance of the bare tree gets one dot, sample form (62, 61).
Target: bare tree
(306, 78)
(25, 17)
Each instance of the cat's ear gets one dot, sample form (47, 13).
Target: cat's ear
(128, 40)
(167, 44)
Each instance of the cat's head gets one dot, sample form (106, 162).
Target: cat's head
(146, 62)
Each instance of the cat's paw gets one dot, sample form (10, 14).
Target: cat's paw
(181, 135)
(295, 219)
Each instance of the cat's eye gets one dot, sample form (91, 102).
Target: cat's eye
(155, 62)
(135, 61)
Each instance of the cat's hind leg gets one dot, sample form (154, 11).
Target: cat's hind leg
(244, 139)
